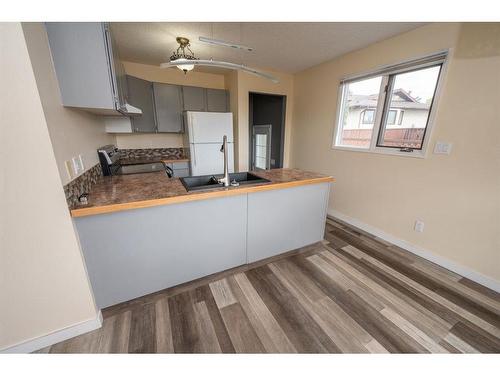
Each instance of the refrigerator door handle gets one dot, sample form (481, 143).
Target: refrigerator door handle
(193, 152)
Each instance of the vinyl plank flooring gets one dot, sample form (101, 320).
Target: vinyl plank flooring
(351, 293)
(379, 327)
(267, 329)
(142, 330)
(305, 334)
(121, 332)
(204, 294)
(164, 341)
(185, 335)
(387, 295)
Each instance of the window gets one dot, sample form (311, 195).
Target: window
(401, 114)
(368, 116)
(356, 118)
(389, 110)
(391, 117)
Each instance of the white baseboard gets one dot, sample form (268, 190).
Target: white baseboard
(55, 337)
(426, 254)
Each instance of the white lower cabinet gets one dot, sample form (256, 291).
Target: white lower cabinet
(132, 253)
(285, 219)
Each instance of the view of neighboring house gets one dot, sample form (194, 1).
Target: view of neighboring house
(406, 120)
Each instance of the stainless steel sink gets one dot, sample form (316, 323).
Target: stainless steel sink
(210, 181)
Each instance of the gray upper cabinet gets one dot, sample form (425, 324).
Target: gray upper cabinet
(86, 66)
(168, 107)
(140, 94)
(194, 98)
(217, 100)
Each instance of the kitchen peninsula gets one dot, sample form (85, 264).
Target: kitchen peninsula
(143, 233)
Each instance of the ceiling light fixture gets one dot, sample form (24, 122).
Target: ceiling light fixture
(186, 61)
(181, 56)
(221, 64)
(224, 43)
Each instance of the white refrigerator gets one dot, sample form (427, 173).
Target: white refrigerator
(203, 137)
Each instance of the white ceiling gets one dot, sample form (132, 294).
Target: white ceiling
(287, 47)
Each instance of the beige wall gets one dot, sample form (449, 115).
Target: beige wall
(44, 286)
(457, 196)
(173, 76)
(72, 131)
(244, 83)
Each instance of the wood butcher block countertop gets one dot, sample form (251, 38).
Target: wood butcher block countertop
(126, 192)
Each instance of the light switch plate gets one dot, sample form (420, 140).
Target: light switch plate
(419, 226)
(442, 148)
(69, 169)
(78, 167)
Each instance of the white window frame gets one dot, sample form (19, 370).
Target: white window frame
(384, 71)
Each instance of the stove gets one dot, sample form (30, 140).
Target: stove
(109, 157)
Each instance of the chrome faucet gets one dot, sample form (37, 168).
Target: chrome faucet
(225, 179)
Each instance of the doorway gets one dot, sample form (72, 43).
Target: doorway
(266, 130)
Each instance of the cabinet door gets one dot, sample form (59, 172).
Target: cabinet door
(140, 95)
(194, 98)
(80, 56)
(168, 107)
(116, 69)
(217, 100)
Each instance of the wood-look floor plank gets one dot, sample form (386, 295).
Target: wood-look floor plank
(479, 288)
(325, 264)
(379, 327)
(305, 334)
(349, 336)
(479, 339)
(426, 268)
(164, 342)
(412, 331)
(242, 334)
(185, 335)
(267, 329)
(204, 294)
(334, 240)
(121, 333)
(419, 308)
(222, 293)
(103, 344)
(460, 345)
(488, 327)
(433, 280)
(208, 337)
(385, 292)
(142, 330)
(325, 319)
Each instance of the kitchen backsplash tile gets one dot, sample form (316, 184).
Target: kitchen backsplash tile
(151, 153)
(81, 184)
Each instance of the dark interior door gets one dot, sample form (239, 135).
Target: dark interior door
(267, 109)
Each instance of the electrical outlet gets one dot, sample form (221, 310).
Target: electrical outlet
(78, 167)
(419, 226)
(442, 148)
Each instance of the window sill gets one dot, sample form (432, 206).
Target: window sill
(381, 151)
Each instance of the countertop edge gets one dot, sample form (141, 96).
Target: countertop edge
(97, 210)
